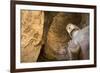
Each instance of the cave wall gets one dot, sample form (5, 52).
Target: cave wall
(44, 36)
(57, 37)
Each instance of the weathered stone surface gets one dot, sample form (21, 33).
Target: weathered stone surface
(57, 37)
(84, 21)
(48, 18)
(48, 28)
(32, 23)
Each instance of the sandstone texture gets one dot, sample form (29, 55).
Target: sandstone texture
(31, 34)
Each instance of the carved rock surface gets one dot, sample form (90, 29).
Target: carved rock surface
(50, 29)
(57, 37)
(31, 34)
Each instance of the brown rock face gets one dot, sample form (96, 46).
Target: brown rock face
(57, 37)
(49, 29)
(31, 34)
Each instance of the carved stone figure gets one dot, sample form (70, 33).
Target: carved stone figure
(79, 45)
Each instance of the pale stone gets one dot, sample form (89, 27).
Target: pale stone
(31, 34)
